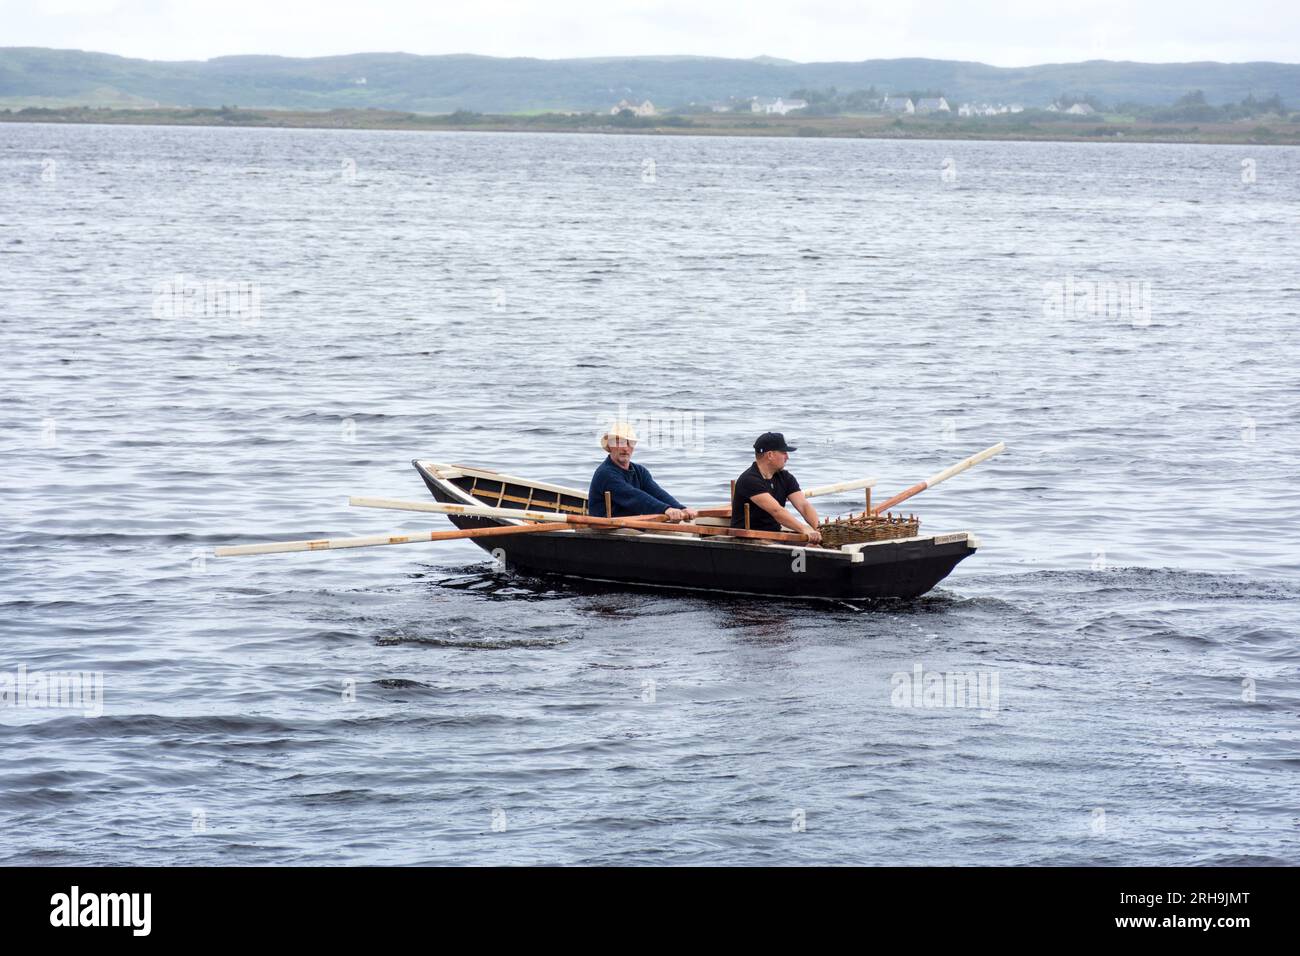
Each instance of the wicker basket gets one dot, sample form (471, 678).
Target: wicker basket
(855, 529)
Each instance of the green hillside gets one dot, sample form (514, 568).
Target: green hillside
(440, 84)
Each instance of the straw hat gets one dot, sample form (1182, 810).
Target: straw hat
(621, 430)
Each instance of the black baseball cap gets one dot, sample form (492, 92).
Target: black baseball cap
(771, 441)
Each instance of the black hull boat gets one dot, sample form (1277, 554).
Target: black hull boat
(897, 568)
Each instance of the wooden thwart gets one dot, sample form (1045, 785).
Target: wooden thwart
(526, 502)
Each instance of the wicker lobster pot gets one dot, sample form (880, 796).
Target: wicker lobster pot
(855, 529)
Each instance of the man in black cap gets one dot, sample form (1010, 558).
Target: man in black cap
(765, 486)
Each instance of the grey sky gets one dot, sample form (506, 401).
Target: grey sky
(1004, 33)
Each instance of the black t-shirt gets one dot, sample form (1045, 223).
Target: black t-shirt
(751, 482)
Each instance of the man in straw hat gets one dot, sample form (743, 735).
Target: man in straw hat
(765, 486)
(632, 490)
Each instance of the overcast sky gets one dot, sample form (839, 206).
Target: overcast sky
(1004, 33)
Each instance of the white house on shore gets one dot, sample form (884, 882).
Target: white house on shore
(976, 109)
(984, 109)
(932, 104)
(645, 109)
(779, 106)
(897, 104)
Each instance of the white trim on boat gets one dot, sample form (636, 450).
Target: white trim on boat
(934, 539)
(734, 542)
(452, 488)
(449, 472)
(855, 550)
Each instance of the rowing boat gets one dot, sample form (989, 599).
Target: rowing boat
(894, 568)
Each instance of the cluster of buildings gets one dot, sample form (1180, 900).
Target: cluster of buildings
(779, 106)
(986, 109)
(937, 104)
(1078, 109)
(904, 104)
(645, 109)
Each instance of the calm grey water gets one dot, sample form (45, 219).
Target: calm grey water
(488, 299)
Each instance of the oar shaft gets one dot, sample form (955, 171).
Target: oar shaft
(916, 489)
(970, 462)
(687, 528)
(638, 524)
(944, 475)
(375, 540)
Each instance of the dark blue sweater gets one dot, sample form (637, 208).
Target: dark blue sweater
(633, 492)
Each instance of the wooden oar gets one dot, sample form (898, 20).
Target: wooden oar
(853, 485)
(334, 544)
(944, 475)
(485, 511)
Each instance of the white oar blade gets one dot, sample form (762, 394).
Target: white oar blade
(377, 540)
(855, 485)
(321, 544)
(970, 462)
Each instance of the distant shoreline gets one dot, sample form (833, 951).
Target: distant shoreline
(1012, 127)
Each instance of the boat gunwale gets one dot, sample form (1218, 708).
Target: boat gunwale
(851, 553)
